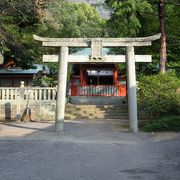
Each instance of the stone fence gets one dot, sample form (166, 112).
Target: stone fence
(39, 101)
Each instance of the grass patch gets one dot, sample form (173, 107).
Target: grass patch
(167, 123)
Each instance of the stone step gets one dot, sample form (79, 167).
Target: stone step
(115, 117)
(96, 100)
(84, 116)
(97, 113)
(94, 110)
(94, 118)
(107, 107)
(98, 121)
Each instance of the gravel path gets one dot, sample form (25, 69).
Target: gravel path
(86, 151)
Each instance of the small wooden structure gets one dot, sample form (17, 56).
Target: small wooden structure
(96, 80)
(11, 76)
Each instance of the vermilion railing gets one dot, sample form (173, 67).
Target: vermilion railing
(100, 90)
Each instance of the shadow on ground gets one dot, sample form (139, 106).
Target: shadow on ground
(79, 131)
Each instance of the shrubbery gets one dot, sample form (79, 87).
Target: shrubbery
(158, 97)
(42, 80)
(157, 94)
(168, 123)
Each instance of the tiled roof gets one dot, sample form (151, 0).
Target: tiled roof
(39, 67)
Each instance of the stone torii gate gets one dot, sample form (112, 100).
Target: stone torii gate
(96, 56)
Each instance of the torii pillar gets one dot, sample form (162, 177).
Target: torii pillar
(96, 45)
(61, 89)
(131, 87)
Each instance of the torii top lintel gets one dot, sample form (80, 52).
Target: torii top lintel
(105, 42)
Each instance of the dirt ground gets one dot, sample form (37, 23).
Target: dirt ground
(46, 130)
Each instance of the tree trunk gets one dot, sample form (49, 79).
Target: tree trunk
(163, 56)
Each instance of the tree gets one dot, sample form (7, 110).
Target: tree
(147, 18)
(125, 16)
(172, 13)
(167, 13)
(163, 55)
(83, 21)
(17, 18)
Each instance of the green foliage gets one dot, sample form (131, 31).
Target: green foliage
(131, 18)
(22, 12)
(125, 16)
(173, 36)
(140, 18)
(18, 20)
(167, 123)
(157, 94)
(74, 19)
(42, 80)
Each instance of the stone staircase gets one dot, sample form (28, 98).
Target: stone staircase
(97, 112)
(111, 110)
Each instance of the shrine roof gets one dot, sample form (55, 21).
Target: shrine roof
(38, 67)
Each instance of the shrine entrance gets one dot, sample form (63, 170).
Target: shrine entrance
(96, 80)
(96, 57)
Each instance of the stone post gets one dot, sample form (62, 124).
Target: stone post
(131, 84)
(61, 89)
(19, 100)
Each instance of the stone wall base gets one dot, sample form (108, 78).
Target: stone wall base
(40, 111)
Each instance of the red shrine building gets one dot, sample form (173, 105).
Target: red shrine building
(96, 80)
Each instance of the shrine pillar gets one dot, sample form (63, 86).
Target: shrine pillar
(115, 76)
